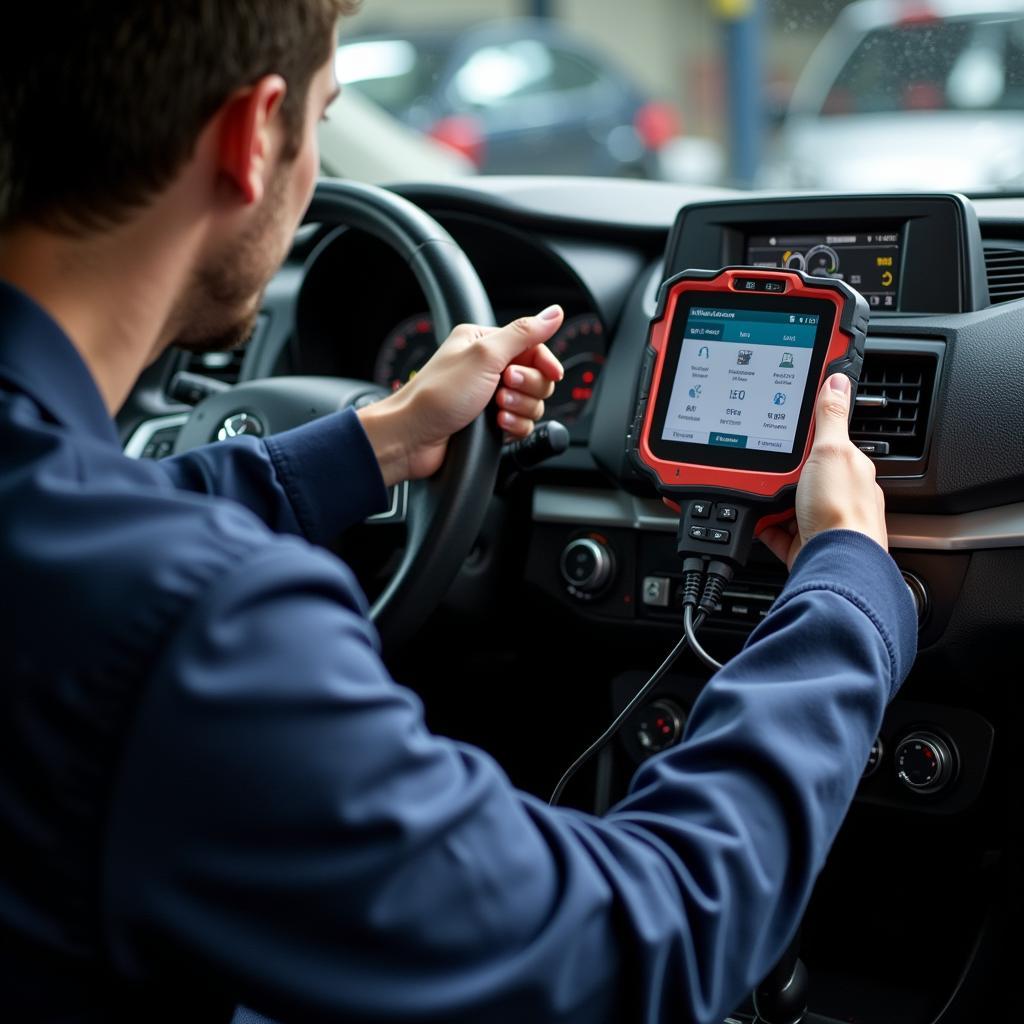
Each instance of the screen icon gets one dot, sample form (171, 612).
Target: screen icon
(787, 361)
(704, 352)
(695, 391)
(744, 356)
(779, 399)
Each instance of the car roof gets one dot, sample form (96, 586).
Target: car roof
(866, 15)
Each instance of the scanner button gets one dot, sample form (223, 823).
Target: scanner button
(719, 536)
(727, 513)
(700, 509)
(646, 372)
(698, 533)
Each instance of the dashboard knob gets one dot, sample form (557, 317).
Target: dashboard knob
(587, 566)
(874, 758)
(660, 725)
(919, 592)
(925, 762)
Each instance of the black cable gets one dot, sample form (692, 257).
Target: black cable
(612, 729)
(691, 626)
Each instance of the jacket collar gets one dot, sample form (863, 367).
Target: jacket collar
(38, 358)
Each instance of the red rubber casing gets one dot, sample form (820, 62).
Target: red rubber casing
(771, 492)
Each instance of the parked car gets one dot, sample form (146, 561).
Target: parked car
(519, 96)
(360, 140)
(913, 95)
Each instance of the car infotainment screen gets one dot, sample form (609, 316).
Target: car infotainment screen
(740, 378)
(867, 260)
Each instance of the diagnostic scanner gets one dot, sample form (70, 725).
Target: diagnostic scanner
(724, 420)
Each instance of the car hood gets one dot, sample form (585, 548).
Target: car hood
(944, 150)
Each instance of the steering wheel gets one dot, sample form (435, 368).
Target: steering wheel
(444, 514)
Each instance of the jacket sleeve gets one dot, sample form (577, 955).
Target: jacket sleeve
(313, 481)
(284, 822)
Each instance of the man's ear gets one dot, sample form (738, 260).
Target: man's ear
(249, 136)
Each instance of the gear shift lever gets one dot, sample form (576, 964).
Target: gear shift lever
(782, 997)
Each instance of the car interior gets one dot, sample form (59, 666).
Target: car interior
(514, 650)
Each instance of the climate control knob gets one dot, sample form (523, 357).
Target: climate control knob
(925, 762)
(587, 566)
(919, 592)
(660, 725)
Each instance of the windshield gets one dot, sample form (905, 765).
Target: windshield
(970, 64)
(780, 94)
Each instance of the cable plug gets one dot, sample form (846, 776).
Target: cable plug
(693, 576)
(719, 576)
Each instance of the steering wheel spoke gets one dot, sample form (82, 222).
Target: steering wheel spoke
(396, 513)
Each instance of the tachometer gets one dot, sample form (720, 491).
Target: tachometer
(580, 345)
(405, 352)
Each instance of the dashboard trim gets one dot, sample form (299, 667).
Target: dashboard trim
(984, 529)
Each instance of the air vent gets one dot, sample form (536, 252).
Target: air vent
(225, 366)
(905, 381)
(1005, 273)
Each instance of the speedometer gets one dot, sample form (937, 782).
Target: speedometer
(580, 345)
(405, 352)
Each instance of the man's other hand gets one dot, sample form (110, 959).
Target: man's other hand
(409, 430)
(837, 489)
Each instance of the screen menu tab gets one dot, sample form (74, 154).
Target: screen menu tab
(740, 379)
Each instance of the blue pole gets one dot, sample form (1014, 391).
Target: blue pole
(540, 8)
(743, 25)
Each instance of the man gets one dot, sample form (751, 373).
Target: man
(211, 793)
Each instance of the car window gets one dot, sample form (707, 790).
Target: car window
(735, 93)
(499, 75)
(966, 64)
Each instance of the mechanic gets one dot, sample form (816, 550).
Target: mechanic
(211, 792)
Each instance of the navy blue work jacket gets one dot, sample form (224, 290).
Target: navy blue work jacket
(212, 793)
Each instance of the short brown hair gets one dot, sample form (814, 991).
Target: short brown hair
(103, 101)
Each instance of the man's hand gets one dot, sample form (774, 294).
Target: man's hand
(837, 489)
(409, 430)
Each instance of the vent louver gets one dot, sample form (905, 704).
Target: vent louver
(906, 382)
(224, 366)
(1005, 269)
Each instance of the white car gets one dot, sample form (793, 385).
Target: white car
(359, 140)
(909, 95)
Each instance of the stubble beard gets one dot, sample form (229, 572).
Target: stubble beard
(219, 311)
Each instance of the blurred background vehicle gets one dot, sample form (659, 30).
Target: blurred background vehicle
(522, 96)
(864, 94)
(360, 140)
(899, 95)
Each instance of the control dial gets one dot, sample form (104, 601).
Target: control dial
(660, 725)
(924, 762)
(874, 758)
(919, 592)
(587, 566)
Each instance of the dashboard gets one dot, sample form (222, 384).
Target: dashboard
(940, 411)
